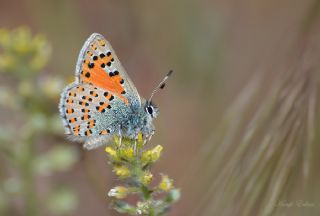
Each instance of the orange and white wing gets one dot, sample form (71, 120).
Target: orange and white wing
(98, 65)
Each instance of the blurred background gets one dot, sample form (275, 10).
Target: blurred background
(239, 117)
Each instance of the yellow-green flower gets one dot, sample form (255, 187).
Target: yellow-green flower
(130, 163)
(24, 54)
(140, 137)
(127, 153)
(118, 192)
(143, 207)
(112, 153)
(122, 171)
(52, 86)
(152, 155)
(146, 178)
(166, 183)
(4, 37)
(7, 61)
(21, 41)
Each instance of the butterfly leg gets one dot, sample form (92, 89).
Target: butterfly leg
(148, 138)
(120, 137)
(135, 146)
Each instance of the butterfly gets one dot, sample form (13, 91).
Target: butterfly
(103, 101)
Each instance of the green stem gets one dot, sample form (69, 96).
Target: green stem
(28, 176)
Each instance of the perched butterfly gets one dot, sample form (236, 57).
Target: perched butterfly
(103, 101)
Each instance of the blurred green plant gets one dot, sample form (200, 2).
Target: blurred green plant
(23, 54)
(131, 163)
(28, 100)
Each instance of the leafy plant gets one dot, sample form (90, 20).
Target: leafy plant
(28, 98)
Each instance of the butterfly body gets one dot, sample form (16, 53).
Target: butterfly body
(102, 101)
(136, 121)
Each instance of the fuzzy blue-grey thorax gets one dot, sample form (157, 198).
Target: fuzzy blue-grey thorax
(139, 120)
(130, 122)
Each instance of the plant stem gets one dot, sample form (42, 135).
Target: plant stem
(27, 172)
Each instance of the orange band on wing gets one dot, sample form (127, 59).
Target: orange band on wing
(95, 74)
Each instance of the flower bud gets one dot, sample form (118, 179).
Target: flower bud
(118, 192)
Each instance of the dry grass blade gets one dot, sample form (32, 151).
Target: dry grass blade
(263, 147)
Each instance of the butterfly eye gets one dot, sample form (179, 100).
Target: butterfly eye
(150, 110)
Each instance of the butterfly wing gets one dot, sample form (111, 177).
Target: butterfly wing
(98, 65)
(89, 113)
(100, 97)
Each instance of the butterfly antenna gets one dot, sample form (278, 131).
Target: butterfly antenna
(161, 85)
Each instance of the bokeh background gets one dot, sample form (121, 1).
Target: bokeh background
(239, 116)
